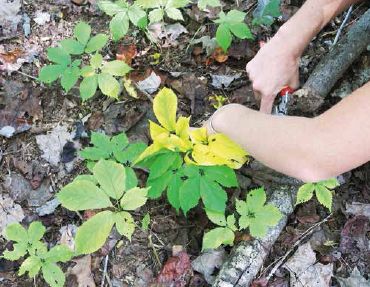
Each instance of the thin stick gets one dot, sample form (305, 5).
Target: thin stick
(342, 25)
(154, 251)
(26, 75)
(104, 270)
(303, 236)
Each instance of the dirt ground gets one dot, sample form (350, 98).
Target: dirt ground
(31, 181)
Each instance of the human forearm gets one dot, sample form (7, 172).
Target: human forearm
(308, 149)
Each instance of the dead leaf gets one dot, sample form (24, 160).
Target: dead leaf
(68, 233)
(355, 280)
(126, 53)
(13, 60)
(219, 55)
(151, 84)
(52, 143)
(304, 271)
(9, 18)
(82, 271)
(358, 208)
(223, 81)
(176, 271)
(41, 18)
(21, 108)
(9, 212)
(208, 262)
(353, 235)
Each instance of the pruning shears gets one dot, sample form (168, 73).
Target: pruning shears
(281, 108)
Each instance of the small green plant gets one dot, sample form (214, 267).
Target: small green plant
(266, 12)
(231, 24)
(253, 214)
(161, 8)
(105, 190)
(28, 243)
(123, 13)
(116, 148)
(145, 222)
(322, 189)
(98, 74)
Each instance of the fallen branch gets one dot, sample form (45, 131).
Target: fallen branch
(332, 67)
(246, 259)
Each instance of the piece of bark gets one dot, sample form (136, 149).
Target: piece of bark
(332, 67)
(247, 257)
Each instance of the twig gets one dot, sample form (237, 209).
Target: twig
(342, 25)
(104, 270)
(26, 75)
(154, 251)
(303, 236)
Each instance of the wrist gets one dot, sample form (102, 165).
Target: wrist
(285, 40)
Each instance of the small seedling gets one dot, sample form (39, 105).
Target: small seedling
(231, 24)
(105, 190)
(266, 12)
(203, 4)
(255, 214)
(116, 148)
(161, 8)
(99, 74)
(123, 14)
(28, 243)
(322, 189)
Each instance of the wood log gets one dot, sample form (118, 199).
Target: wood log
(332, 67)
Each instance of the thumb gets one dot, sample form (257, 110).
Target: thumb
(266, 104)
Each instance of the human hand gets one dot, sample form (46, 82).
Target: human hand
(274, 67)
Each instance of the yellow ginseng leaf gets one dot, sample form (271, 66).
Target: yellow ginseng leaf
(203, 155)
(173, 142)
(221, 146)
(150, 150)
(199, 136)
(165, 108)
(182, 128)
(157, 131)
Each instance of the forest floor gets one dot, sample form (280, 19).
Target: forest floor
(33, 168)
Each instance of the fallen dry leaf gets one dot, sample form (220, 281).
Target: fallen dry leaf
(82, 271)
(219, 55)
(175, 272)
(67, 235)
(353, 235)
(126, 53)
(355, 280)
(9, 18)
(304, 271)
(9, 212)
(358, 208)
(208, 262)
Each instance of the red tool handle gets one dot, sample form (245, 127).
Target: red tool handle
(286, 90)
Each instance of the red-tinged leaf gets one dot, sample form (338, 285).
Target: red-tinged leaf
(176, 271)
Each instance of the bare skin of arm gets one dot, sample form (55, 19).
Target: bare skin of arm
(276, 64)
(308, 149)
